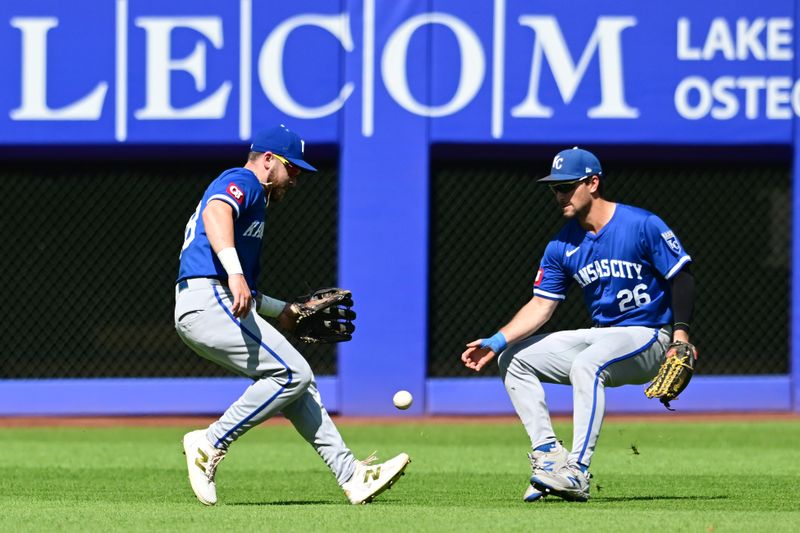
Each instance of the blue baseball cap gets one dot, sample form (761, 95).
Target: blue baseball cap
(282, 141)
(574, 164)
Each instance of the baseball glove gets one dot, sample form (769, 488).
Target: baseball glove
(674, 374)
(324, 316)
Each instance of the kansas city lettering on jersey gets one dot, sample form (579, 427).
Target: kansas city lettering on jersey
(605, 268)
(256, 230)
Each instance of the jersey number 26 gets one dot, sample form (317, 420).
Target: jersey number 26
(632, 299)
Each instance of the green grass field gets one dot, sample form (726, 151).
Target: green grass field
(692, 476)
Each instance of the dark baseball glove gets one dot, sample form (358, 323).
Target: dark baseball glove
(324, 316)
(674, 374)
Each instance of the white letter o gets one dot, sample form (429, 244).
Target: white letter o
(682, 98)
(395, 54)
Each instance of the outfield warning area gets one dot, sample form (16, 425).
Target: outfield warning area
(199, 421)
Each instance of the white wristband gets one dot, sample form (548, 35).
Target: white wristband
(230, 261)
(270, 307)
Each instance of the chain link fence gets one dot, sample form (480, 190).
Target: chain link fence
(92, 254)
(91, 257)
(491, 222)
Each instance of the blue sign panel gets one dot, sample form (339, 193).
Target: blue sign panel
(622, 71)
(207, 71)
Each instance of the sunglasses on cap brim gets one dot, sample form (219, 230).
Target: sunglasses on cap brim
(286, 162)
(568, 186)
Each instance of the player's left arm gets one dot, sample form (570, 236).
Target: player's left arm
(278, 309)
(671, 261)
(683, 290)
(679, 363)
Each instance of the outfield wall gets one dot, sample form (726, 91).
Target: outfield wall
(385, 83)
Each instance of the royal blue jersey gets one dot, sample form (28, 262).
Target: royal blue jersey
(624, 269)
(239, 188)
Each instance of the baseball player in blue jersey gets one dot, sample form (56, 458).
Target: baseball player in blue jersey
(214, 316)
(636, 282)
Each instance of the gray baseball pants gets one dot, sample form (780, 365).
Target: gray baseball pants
(282, 380)
(588, 359)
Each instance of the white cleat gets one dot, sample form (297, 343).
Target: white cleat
(551, 461)
(532, 494)
(202, 460)
(569, 483)
(370, 480)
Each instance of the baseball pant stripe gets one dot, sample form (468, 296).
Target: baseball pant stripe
(597, 380)
(276, 356)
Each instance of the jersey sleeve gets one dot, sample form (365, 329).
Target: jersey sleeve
(237, 189)
(551, 281)
(664, 248)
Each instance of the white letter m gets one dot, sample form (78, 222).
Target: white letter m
(550, 44)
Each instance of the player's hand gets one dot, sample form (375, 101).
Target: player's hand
(475, 357)
(242, 297)
(673, 350)
(680, 336)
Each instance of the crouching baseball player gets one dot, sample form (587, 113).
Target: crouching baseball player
(214, 316)
(636, 282)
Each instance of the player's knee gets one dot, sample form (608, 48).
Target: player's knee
(302, 377)
(582, 371)
(514, 369)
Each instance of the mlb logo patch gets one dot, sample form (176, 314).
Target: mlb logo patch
(539, 276)
(236, 192)
(672, 241)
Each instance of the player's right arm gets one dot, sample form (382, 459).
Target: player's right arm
(549, 288)
(529, 319)
(532, 316)
(218, 220)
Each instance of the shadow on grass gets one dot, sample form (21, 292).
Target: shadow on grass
(655, 498)
(287, 502)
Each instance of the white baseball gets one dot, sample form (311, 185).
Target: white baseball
(402, 399)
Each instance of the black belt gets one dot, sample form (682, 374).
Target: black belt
(198, 283)
(599, 325)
